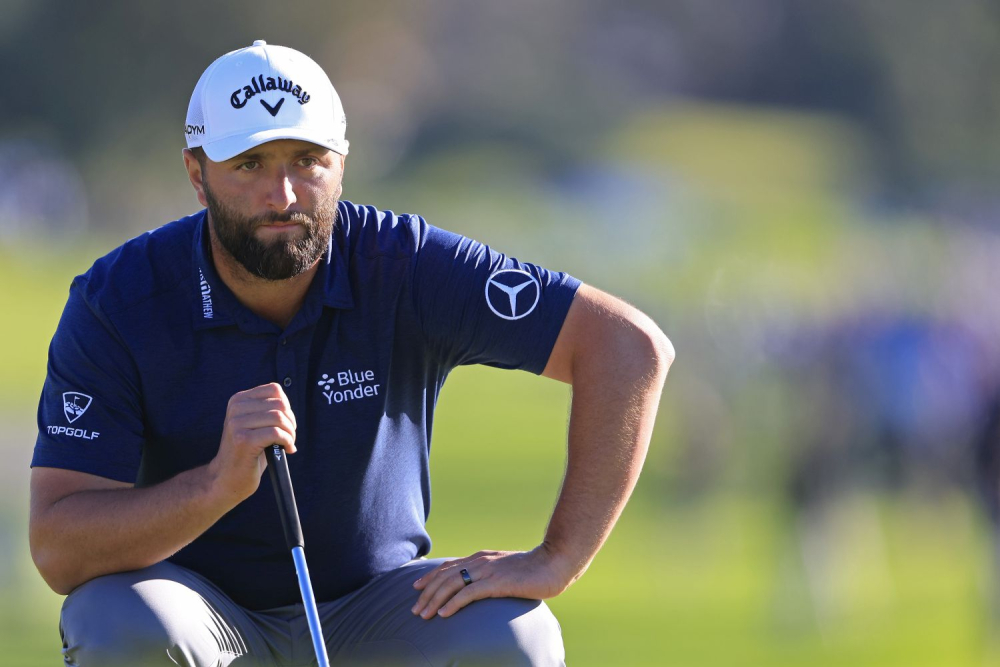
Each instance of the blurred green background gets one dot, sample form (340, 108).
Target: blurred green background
(801, 194)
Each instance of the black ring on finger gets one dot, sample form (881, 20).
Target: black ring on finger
(465, 576)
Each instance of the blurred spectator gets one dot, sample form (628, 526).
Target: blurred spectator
(41, 193)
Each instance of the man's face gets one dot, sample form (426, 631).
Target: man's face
(272, 208)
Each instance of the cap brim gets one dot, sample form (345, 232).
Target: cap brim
(229, 147)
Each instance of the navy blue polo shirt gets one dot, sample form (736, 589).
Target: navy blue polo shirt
(152, 345)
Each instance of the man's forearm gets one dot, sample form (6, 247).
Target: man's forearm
(94, 532)
(615, 397)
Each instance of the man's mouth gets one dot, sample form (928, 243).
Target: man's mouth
(282, 224)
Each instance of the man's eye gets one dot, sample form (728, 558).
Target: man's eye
(308, 161)
(247, 166)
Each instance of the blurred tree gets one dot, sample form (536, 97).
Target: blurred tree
(111, 80)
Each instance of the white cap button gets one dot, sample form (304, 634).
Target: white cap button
(259, 42)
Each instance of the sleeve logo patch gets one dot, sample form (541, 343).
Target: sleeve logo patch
(512, 293)
(75, 404)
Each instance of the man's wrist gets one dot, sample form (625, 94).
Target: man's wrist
(567, 565)
(206, 486)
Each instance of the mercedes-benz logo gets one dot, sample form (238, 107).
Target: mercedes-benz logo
(518, 286)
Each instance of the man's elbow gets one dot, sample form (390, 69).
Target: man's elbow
(51, 563)
(607, 337)
(664, 352)
(645, 344)
(51, 572)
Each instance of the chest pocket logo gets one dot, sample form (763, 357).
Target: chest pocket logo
(348, 385)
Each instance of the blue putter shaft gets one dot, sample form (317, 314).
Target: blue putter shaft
(281, 479)
(309, 601)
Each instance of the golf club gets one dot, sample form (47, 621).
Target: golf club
(277, 463)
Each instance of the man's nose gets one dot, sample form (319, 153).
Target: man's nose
(281, 192)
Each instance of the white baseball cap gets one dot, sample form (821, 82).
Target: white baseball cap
(261, 93)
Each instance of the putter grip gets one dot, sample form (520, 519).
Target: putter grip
(281, 480)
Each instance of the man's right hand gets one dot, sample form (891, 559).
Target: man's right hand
(255, 419)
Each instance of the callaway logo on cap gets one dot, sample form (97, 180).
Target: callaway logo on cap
(262, 93)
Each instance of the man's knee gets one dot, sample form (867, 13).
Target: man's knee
(510, 631)
(537, 636)
(108, 621)
(132, 619)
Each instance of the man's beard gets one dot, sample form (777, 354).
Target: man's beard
(280, 259)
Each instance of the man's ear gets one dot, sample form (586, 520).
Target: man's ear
(195, 175)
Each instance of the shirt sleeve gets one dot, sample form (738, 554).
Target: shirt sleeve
(478, 306)
(89, 414)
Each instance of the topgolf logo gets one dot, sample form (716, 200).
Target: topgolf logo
(75, 404)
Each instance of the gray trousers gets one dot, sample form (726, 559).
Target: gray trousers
(168, 615)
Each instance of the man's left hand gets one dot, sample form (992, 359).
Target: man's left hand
(535, 574)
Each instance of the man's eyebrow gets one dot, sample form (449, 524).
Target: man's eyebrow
(243, 157)
(317, 150)
(260, 155)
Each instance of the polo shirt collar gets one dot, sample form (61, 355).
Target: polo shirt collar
(337, 291)
(214, 305)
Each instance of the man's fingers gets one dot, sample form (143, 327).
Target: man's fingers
(272, 435)
(250, 406)
(440, 570)
(269, 418)
(480, 557)
(445, 582)
(263, 398)
(254, 441)
(438, 593)
(429, 584)
(262, 416)
(474, 591)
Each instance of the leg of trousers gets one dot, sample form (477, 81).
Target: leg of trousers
(168, 615)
